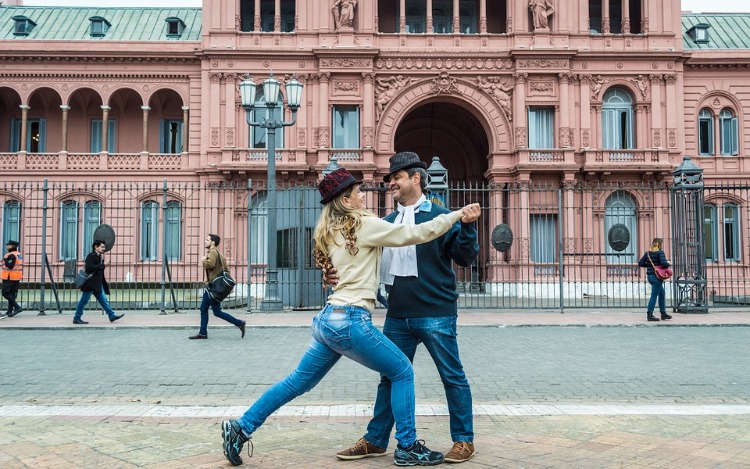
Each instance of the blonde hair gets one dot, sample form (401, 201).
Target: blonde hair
(336, 217)
(657, 244)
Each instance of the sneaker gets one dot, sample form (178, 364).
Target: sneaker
(417, 455)
(361, 449)
(233, 441)
(462, 451)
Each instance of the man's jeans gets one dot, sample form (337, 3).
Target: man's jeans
(216, 308)
(438, 334)
(347, 331)
(100, 296)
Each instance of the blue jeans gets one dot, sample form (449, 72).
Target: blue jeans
(100, 296)
(216, 307)
(344, 331)
(657, 291)
(438, 334)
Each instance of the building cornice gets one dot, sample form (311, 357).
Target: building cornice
(47, 76)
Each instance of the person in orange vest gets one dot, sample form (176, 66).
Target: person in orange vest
(12, 275)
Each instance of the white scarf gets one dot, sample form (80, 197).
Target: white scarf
(401, 262)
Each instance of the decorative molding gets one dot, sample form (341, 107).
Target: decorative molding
(230, 137)
(543, 64)
(542, 87)
(672, 138)
(368, 137)
(301, 137)
(444, 84)
(442, 62)
(387, 89)
(500, 90)
(215, 136)
(521, 136)
(345, 62)
(346, 86)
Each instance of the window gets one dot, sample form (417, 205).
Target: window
(728, 128)
(705, 133)
(711, 243)
(617, 120)
(468, 16)
(266, 15)
(345, 127)
(731, 232)
(287, 16)
(260, 113)
(149, 231)
(259, 229)
(247, 15)
(36, 135)
(620, 208)
(175, 26)
(699, 33)
(543, 230)
(12, 220)
(99, 26)
(173, 230)
(541, 128)
(442, 17)
(615, 16)
(171, 136)
(23, 25)
(595, 16)
(69, 230)
(96, 135)
(92, 215)
(416, 20)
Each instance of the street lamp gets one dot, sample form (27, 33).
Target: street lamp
(271, 300)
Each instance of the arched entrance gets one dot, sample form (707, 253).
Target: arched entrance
(450, 132)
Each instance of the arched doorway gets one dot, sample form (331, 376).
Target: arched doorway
(450, 132)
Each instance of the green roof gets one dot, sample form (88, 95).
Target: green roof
(127, 24)
(727, 31)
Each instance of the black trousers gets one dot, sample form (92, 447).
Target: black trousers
(10, 291)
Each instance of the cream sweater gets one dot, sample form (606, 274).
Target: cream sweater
(359, 275)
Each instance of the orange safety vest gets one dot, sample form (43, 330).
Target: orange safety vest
(16, 273)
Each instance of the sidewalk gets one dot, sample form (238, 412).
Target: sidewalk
(152, 319)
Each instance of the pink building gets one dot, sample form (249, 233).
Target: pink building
(522, 93)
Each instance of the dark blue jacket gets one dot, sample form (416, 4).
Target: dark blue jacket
(657, 256)
(433, 292)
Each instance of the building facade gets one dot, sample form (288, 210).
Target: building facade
(507, 93)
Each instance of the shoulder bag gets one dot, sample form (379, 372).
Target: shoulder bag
(81, 278)
(662, 273)
(221, 286)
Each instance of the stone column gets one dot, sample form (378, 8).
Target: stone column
(564, 132)
(585, 91)
(605, 16)
(483, 16)
(144, 146)
(277, 18)
(402, 16)
(65, 108)
(430, 24)
(185, 116)
(324, 111)
(656, 131)
(456, 18)
(368, 111)
(105, 127)
(257, 27)
(519, 110)
(230, 110)
(626, 16)
(24, 124)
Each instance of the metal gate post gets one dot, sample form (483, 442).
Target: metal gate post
(689, 281)
(45, 190)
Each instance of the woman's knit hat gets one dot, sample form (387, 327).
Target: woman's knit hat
(335, 183)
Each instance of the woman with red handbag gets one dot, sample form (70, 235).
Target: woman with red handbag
(655, 262)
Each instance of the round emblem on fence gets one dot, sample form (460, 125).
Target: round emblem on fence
(619, 237)
(105, 233)
(502, 237)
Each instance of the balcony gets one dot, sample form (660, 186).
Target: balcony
(64, 161)
(546, 158)
(654, 160)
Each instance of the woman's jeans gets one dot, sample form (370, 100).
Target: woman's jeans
(657, 291)
(438, 334)
(216, 308)
(347, 331)
(100, 296)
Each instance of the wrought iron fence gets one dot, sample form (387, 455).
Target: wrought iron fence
(564, 247)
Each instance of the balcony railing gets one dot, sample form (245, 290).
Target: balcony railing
(93, 161)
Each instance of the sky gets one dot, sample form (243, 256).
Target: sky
(696, 6)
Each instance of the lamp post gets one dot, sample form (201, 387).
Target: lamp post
(271, 300)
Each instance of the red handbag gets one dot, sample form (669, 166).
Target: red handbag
(662, 273)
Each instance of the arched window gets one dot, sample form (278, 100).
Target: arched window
(173, 230)
(468, 15)
(617, 120)
(259, 229)
(261, 112)
(728, 128)
(415, 18)
(69, 230)
(442, 19)
(92, 215)
(705, 132)
(12, 220)
(149, 231)
(620, 209)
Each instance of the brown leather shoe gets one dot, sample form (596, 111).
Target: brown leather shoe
(462, 451)
(361, 449)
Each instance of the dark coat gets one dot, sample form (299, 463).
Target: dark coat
(95, 267)
(658, 257)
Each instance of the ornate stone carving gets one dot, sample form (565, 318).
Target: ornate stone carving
(521, 137)
(596, 86)
(368, 137)
(301, 137)
(566, 137)
(656, 133)
(499, 90)
(442, 63)
(544, 87)
(346, 86)
(543, 63)
(586, 138)
(444, 84)
(230, 137)
(324, 137)
(540, 12)
(387, 89)
(672, 138)
(215, 136)
(642, 85)
(345, 63)
(343, 14)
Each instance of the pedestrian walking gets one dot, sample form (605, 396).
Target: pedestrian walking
(12, 276)
(651, 258)
(422, 308)
(95, 285)
(214, 263)
(350, 237)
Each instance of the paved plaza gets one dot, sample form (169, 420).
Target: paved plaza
(584, 389)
